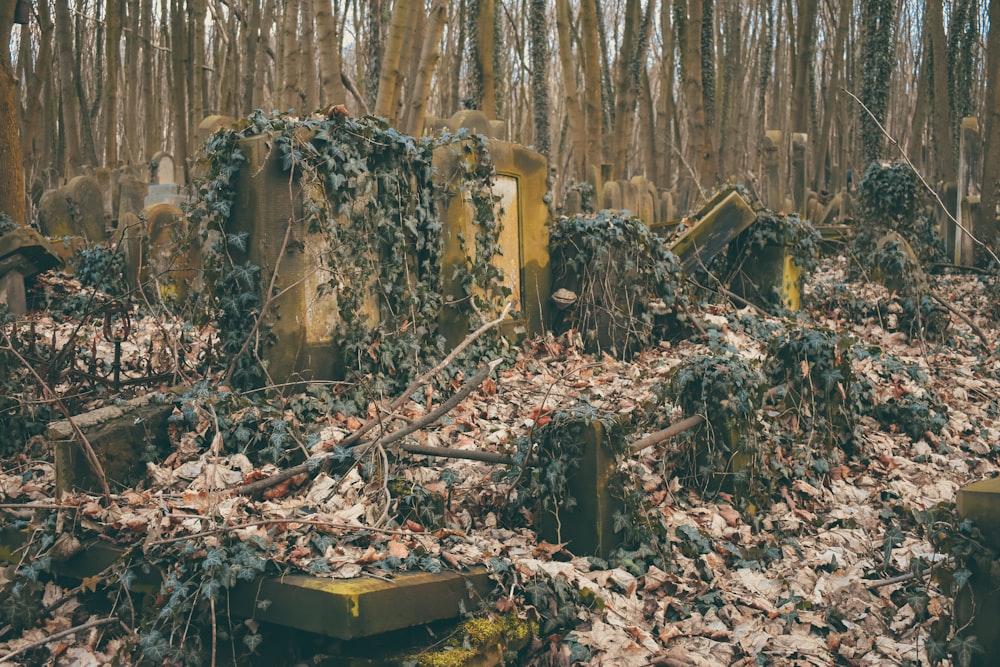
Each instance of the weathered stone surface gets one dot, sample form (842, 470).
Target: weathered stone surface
(721, 220)
(521, 184)
(53, 214)
(118, 435)
(977, 605)
(341, 608)
(263, 208)
(588, 527)
(211, 124)
(89, 219)
(473, 120)
(23, 253)
(131, 196)
(767, 273)
(174, 260)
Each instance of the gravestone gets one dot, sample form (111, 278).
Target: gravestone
(163, 186)
(977, 604)
(264, 207)
(521, 184)
(54, 217)
(211, 124)
(76, 209)
(106, 180)
(23, 253)
(172, 261)
(772, 169)
(800, 195)
(131, 196)
(132, 231)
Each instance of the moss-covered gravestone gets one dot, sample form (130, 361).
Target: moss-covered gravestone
(977, 605)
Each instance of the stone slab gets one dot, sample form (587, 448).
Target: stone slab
(340, 608)
(980, 502)
(118, 434)
(723, 218)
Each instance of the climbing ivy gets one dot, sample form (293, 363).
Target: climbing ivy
(371, 193)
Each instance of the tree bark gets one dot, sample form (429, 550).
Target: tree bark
(291, 55)
(665, 103)
(829, 109)
(690, 14)
(485, 50)
(129, 153)
(991, 151)
(429, 55)
(329, 52)
(34, 147)
(252, 40)
(67, 91)
(388, 84)
(152, 127)
(112, 57)
(590, 50)
(577, 130)
(628, 77)
(804, 56)
(538, 25)
(12, 175)
(179, 70)
(942, 138)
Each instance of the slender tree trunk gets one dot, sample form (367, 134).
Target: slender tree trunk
(152, 127)
(33, 145)
(804, 56)
(133, 84)
(112, 57)
(942, 137)
(486, 43)
(991, 151)
(67, 91)
(665, 102)
(310, 92)
(329, 52)
(291, 57)
(252, 40)
(12, 175)
(567, 62)
(699, 135)
(429, 55)
(389, 85)
(593, 118)
(178, 99)
(88, 110)
(630, 68)
(538, 26)
(833, 91)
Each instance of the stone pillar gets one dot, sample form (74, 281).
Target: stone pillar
(772, 169)
(967, 154)
(800, 141)
(977, 605)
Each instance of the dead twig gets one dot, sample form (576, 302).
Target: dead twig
(965, 318)
(88, 450)
(666, 434)
(58, 635)
(312, 465)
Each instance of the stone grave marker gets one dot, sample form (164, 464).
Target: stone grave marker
(169, 267)
(23, 253)
(521, 184)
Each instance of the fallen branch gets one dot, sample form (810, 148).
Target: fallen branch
(400, 400)
(58, 635)
(320, 463)
(666, 434)
(452, 453)
(88, 450)
(965, 318)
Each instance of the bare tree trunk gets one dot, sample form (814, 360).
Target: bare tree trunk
(152, 127)
(629, 69)
(310, 93)
(70, 102)
(33, 144)
(486, 45)
(839, 58)
(429, 55)
(700, 137)
(88, 110)
(329, 52)
(991, 151)
(389, 78)
(538, 27)
(590, 50)
(291, 56)
(577, 129)
(112, 56)
(944, 146)
(252, 40)
(133, 84)
(12, 175)
(665, 102)
(178, 98)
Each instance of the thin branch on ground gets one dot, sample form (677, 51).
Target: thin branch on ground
(58, 635)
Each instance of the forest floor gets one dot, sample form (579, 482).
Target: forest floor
(831, 561)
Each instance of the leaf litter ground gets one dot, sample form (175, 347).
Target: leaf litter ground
(806, 579)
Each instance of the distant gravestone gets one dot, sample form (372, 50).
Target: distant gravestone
(131, 196)
(612, 198)
(106, 180)
(161, 169)
(473, 120)
(132, 231)
(211, 124)
(163, 186)
(54, 217)
(89, 220)
(172, 262)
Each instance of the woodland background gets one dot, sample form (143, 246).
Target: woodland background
(679, 91)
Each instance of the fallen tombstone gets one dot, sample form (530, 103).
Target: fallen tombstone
(23, 254)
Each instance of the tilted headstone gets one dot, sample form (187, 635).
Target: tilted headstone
(210, 124)
(76, 209)
(54, 218)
